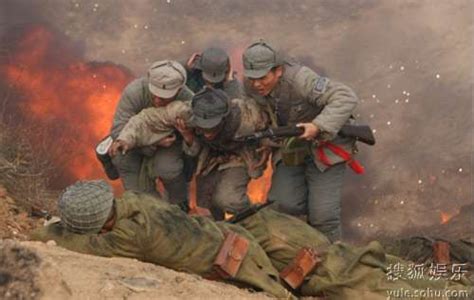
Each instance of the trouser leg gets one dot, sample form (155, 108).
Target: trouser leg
(168, 166)
(129, 166)
(230, 192)
(324, 199)
(289, 189)
(204, 192)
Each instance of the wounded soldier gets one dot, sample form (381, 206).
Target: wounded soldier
(266, 251)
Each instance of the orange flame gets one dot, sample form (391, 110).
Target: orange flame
(446, 216)
(258, 188)
(60, 89)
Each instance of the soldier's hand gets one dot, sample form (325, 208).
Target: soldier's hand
(117, 147)
(186, 132)
(167, 141)
(310, 131)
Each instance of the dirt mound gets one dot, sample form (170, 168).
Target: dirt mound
(18, 269)
(34, 270)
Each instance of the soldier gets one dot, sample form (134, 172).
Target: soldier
(309, 170)
(140, 167)
(212, 68)
(209, 128)
(146, 228)
(140, 226)
(225, 166)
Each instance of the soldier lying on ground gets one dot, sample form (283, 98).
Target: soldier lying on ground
(164, 84)
(151, 230)
(212, 68)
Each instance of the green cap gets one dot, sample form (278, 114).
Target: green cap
(259, 58)
(209, 107)
(165, 78)
(214, 64)
(85, 206)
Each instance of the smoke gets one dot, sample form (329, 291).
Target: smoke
(412, 71)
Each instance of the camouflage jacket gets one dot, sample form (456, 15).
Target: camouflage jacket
(225, 151)
(301, 95)
(136, 97)
(154, 231)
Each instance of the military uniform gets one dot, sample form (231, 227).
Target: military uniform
(212, 66)
(136, 97)
(153, 231)
(224, 164)
(307, 177)
(345, 272)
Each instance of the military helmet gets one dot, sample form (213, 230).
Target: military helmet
(259, 58)
(214, 64)
(165, 78)
(209, 107)
(85, 206)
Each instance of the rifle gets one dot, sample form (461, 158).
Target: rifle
(243, 214)
(361, 133)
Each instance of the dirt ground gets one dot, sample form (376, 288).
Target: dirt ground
(14, 220)
(36, 270)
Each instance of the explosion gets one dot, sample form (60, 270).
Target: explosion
(72, 99)
(74, 102)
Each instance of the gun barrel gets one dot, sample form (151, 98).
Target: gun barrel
(248, 212)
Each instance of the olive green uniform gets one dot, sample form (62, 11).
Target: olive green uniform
(153, 231)
(346, 272)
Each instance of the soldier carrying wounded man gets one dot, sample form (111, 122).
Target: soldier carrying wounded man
(209, 126)
(139, 168)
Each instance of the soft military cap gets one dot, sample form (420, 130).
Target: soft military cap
(214, 63)
(85, 206)
(165, 78)
(209, 107)
(259, 58)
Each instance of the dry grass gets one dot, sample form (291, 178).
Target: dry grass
(24, 170)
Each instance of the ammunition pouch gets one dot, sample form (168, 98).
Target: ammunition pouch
(230, 256)
(102, 153)
(295, 151)
(295, 272)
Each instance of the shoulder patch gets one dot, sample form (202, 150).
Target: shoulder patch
(320, 85)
